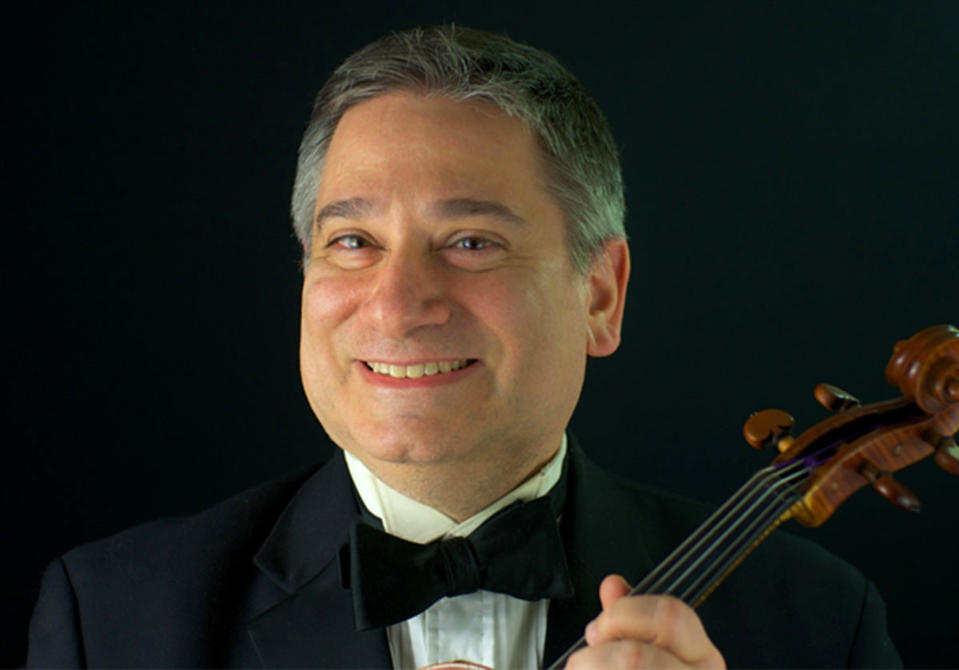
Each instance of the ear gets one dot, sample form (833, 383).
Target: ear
(606, 286)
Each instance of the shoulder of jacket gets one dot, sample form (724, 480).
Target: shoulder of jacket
(238, 522)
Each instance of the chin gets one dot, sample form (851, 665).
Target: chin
(398, 446)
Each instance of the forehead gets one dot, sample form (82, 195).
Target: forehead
(414, 142)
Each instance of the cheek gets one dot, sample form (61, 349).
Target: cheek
(326, 304)
(534, 318)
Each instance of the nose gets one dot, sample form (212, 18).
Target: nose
(408, 293)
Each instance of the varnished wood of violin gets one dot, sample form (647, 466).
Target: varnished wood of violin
(770, 427)
(863, 445)
(834, 398)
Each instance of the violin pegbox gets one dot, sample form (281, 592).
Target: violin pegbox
(863, 444)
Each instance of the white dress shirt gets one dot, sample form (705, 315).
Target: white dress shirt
(492, 629)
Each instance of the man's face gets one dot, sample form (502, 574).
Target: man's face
(442, 321)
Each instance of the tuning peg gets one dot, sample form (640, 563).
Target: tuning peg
(895, 492)
(947, 455)
(770, 427)
(834, 398)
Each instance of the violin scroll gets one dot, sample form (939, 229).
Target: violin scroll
(926, 369)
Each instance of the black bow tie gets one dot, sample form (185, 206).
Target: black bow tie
(517, 551)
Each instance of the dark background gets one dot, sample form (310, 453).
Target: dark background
(793, 197)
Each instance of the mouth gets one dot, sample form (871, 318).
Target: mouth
(419, 369)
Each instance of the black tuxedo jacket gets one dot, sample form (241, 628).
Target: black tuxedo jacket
(255, 581)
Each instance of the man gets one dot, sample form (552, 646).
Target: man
(459, 202)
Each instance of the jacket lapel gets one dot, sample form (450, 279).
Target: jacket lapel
(603, 534)
(309, 620)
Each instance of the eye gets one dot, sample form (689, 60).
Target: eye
(476, 250)
(348, 242)
(473, 243)
(348, 249)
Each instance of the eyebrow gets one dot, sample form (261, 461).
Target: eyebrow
(452, 208)
(460, 208)
(354, 208)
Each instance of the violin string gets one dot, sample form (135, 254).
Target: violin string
(672, 562)
(740, 544)
(573, 648)
(721, 532)
(764, 511)
(721, 567)
(655, 581)
(725, 514)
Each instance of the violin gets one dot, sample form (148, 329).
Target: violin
(814, 473)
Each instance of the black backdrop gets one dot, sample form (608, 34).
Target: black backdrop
(792, 192)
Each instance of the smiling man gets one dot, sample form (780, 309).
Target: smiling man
(445, 329)
(460, 207)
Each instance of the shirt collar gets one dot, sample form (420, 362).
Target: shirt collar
(413, 521)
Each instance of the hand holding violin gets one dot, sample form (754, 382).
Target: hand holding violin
(644, 631)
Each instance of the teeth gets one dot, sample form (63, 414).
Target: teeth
(418, 370)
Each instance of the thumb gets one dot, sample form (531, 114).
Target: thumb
(612, 589)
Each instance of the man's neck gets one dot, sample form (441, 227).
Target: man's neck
(458, 495)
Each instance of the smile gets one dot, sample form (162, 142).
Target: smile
(419, 369)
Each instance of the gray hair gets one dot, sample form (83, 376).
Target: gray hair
(583, 168)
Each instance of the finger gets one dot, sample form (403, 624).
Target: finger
(622, 654)
(612, 589)
(662, 621)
